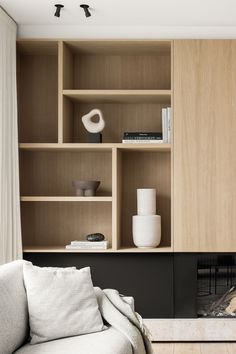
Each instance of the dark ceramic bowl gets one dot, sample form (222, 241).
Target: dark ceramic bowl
(86, 188)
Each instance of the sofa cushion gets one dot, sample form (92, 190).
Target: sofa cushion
(61, 302)
(13, 307)
(109, 341)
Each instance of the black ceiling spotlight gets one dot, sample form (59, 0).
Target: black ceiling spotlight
(86, 10)
(58, 10)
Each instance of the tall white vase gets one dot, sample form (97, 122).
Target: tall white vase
(146, 201)
(146, 225)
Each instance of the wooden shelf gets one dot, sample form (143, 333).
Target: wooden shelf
(60, 249)
(119, 96)
(145, 250)
(64, 199)
(94, 147)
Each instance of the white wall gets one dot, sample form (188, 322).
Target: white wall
(67, 31)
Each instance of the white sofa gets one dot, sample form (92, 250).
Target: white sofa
(14, 327)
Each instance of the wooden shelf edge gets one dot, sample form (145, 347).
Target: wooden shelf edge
(93, 147)
(145, 250)
(64, 199)
(117, 92)
(122, 96)
(61, 249)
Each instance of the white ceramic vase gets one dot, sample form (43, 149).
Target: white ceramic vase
(146, 230)
(146, 201)
(146, 225)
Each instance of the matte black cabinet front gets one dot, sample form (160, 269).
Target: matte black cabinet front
(146, 277)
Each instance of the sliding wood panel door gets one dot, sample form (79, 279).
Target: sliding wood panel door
(204, 148)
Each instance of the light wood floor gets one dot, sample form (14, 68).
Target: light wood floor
(195, 348)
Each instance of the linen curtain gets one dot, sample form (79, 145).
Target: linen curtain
(10, 228)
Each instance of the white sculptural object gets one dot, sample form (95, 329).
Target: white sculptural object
(93, 127)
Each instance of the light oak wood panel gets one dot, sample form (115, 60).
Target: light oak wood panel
(213, 348)
(117, 47)
(163, 348)
(120, 118)
(68, 67)
(52, 173)
(67, 121)
(37, 98)
(231, 347)
(194, 348)
(145, 170)
(57, 224)
(65, 74)
(122, 72)
(119, 96)
(204, 146)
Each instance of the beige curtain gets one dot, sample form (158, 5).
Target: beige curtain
(10, 228)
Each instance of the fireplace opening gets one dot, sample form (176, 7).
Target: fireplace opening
(216, 286)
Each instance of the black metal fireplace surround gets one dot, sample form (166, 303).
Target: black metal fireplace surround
(176, 285)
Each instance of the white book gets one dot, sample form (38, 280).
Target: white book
(164, 125)
(150, 141)
(169, 119)
(75, 243)
(86, 246)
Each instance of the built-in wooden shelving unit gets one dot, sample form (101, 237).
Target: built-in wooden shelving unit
(58, 82)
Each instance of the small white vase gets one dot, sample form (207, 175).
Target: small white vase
(146, 201)
(146, 230)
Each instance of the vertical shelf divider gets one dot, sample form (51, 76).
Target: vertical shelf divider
(60, 91)
(116, 197)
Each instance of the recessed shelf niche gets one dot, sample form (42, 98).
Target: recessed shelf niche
(119, 117)
(143, 170)
(51, 224)
(52, 173)
(37, 81)
(117, 65)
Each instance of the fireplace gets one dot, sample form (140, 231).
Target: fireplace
(216, 285)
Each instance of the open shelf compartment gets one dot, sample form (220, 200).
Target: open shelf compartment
(37, 83)
(50, 174)
(143, 170)
(100, 65)
(53, 225)
(119, 118)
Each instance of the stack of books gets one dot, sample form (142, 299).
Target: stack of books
(142, 138)
(166, 124)
(154, 137)
(87, 245)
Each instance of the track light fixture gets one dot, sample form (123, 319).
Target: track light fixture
(86, 10)
(58, 10)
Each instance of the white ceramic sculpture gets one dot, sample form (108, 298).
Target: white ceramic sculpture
(146, 225)
(93, 127)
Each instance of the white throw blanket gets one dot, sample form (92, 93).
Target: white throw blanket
(118, 314)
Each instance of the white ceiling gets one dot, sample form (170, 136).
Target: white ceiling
(124, 15)
(125, 12)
